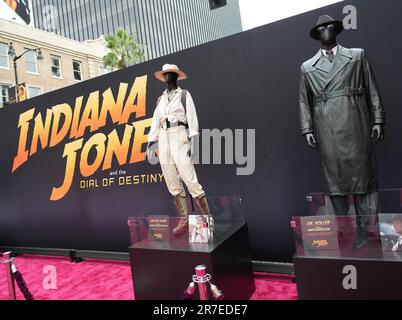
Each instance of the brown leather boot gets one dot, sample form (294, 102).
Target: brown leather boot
(181, 205)
(202, 203)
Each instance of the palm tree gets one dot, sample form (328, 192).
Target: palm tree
(124, 50)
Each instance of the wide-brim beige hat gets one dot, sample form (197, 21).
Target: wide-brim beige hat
(160, 75)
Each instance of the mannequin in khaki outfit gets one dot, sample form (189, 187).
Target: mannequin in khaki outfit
(175, 113)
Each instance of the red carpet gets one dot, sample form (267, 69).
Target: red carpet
(111, 280)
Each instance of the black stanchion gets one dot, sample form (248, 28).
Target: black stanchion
(7, 260)
(14, 275)
(21, 283)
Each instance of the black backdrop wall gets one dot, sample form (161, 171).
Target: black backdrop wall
(246, 81)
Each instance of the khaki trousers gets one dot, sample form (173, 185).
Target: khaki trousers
(176, 164)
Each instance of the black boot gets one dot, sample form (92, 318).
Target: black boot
(361, 237)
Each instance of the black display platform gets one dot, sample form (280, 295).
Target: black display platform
(163, 270)
(321, 278)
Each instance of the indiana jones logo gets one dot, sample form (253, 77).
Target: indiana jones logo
(65, 122)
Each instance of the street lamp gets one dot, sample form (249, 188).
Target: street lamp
(13, 55)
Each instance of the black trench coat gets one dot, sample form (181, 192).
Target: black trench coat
(339, 103)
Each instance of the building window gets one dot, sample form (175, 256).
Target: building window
(56, 66)
(31, 61)
(103, 70)
(77, 67)
(4, 61)
(4, 94)
(34, 92)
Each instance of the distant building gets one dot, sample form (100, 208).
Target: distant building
(65, 62)
(164, 26)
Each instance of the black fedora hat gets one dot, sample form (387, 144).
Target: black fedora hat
(324, 21)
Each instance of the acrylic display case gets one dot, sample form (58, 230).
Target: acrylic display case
(163, 263)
